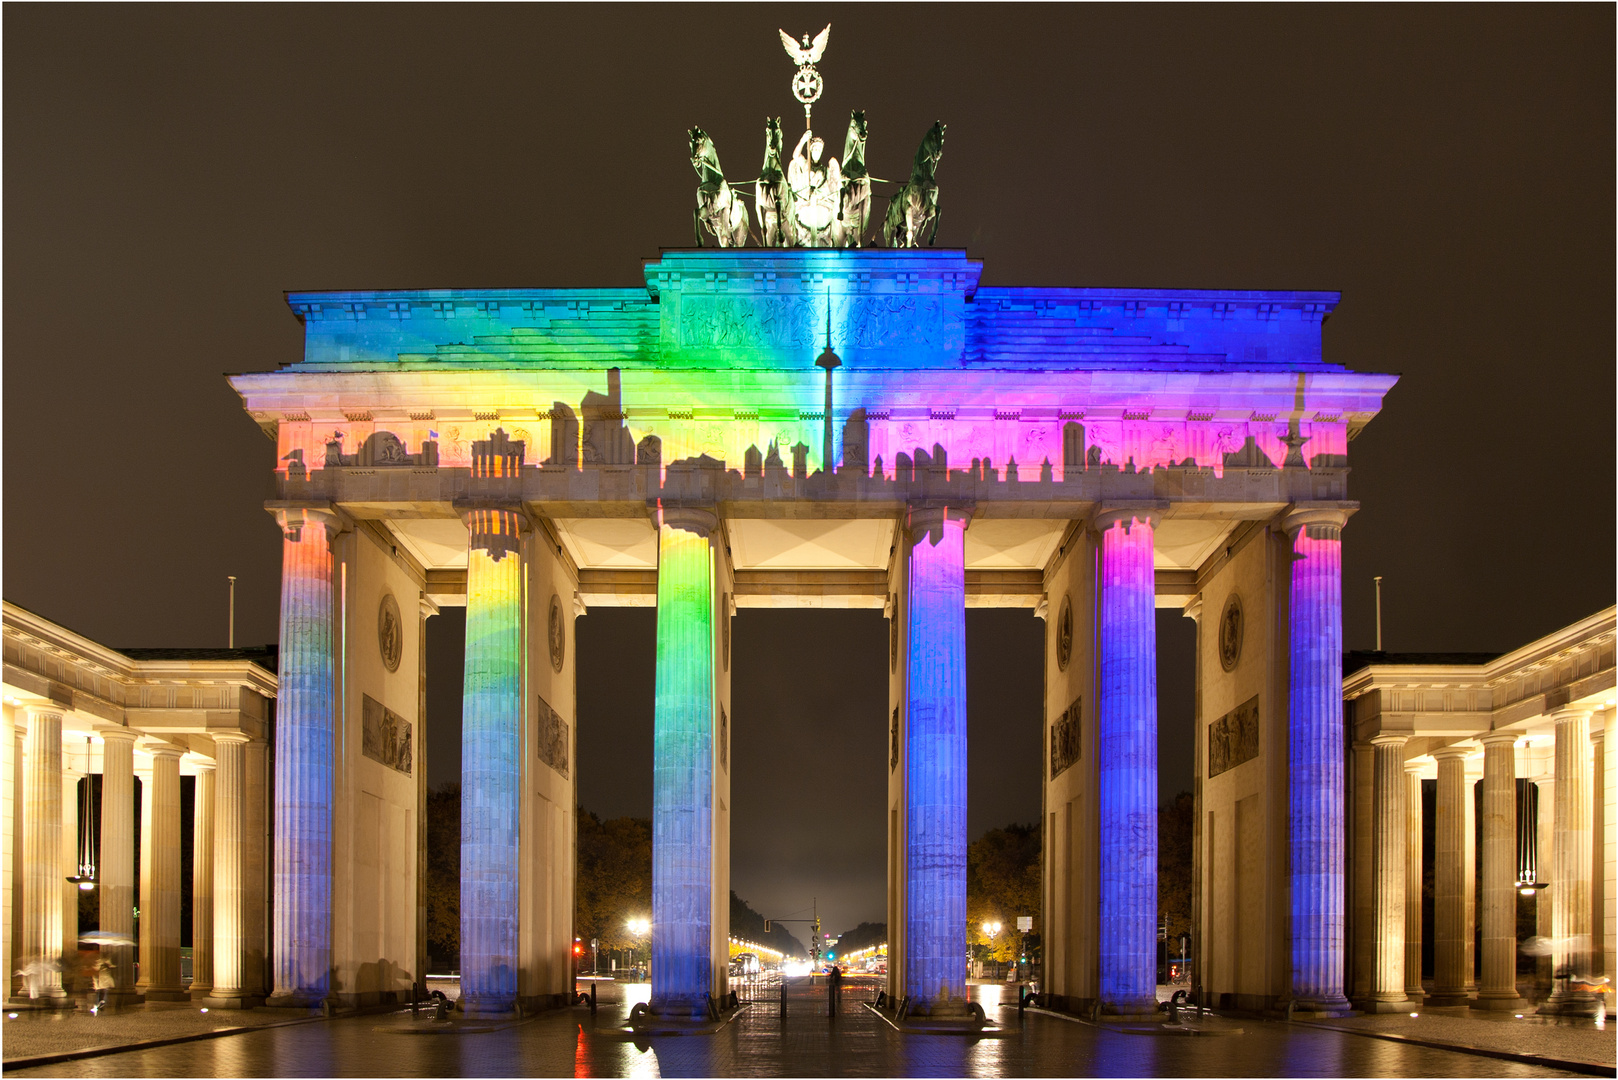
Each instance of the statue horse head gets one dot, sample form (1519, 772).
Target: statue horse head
(774, 197)
(704, 158)
(928, 154)
(913, 209)
(774, 147)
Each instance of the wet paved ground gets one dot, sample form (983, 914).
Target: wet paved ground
(807, 1042)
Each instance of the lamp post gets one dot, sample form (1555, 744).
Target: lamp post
(639, 927)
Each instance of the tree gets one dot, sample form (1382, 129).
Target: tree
(1003, 882)
(1174, 850)
(444, 874)
(748, 924)
(615, 879)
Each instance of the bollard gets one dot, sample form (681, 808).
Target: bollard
(592, 999)
(783, 997)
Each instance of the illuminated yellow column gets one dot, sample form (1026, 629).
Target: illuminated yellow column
(1388, 875)
(160, 879)
(202, 881)
(41, 936)
(1451, 928)
(1571, 867)
(117, 870)
(1413, 876)
(230, 947)
(1498, 987)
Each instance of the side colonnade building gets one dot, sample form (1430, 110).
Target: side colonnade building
(855, 428)
(1516, 751)
(140, 720)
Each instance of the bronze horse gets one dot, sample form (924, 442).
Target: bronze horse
(776, 224)
(719, 209)
(914, 207)
(854, 213)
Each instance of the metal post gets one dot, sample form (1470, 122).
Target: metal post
(1378, 580)
(231, 639)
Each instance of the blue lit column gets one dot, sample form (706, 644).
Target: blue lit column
(1315, 758)
(682, 765)
(304, 754)
(491, 766)
(1126, 765)
(935, 763)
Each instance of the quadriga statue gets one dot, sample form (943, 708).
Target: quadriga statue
(719, 209)
(913, 209)
(776, 224)
(855, 212)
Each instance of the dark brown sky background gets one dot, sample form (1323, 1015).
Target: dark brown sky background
(170, 171)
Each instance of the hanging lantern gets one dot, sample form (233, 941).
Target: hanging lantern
(85, 879)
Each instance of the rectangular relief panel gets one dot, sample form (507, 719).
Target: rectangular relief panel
(386, 736)
(1066, 748)
(551, 739)
(1233, 738)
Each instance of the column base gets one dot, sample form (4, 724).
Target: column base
(165, 994)
(1498, 1002)
(58, 1000)
(1130, 1007)
(1572, 1003)
(1322, 1008)
(952, 1008)
(230, 1001)
(1377, 1005)
(1439, 999)
(295, 999)
(199, 991)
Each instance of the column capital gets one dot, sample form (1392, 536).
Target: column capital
(1414, 766)
(119, 734)
(1568, 713)
(32, 709)
(165, 750)
(230, 736)
(1315, 518)
(1454, 751)
(1389, 739)
(923, 518)
(1193, 609)
(294, 516)
(1109, 514)
(495, 526)
(699, 518)
(1495, 738)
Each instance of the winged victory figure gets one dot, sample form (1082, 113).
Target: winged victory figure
(809, 52)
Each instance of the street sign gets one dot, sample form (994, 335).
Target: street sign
(1025, 923)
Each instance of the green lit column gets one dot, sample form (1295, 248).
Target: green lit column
(682, 770)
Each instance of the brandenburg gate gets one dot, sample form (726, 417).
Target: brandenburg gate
(799, 426)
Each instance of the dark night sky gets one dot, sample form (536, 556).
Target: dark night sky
(169, 171)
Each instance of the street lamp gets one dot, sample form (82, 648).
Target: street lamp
(639, 927)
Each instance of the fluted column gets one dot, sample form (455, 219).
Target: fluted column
(68, 866)
(202, 883)
(936, 761)
(1388, 875)
(117, 871)
(682, 764)
(1315, 758)
(1126, 762)
(1451, 928)
(40, 939)
(1571, 866)
(229, 894)
(305, 749)
(491, 765)
(1498, 987)
(160, 879)
(1413, 876)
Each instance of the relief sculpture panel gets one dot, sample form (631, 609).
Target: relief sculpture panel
(551, 739)
(1233, 738)
(1065, 738)
(385, 736)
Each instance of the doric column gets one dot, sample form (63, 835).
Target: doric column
(1388, 875)
(1451, 928)
(682, 764)
(160, 879)
(202, 883)
(1571, 866)
(229, 894)
(305, 749)
(117, 871)
(1413, 876)
(1126, 761)
(1474, 786)
(1498, 987)
(491, 765)
(39, 948)
(68, 867)
(935, 761)
(1315, 758)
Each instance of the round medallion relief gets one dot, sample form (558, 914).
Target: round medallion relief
(1230, 633)
(558, 633)
(1064, 634)
(389, 632)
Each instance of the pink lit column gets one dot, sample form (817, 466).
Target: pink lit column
(1315, 758)
(304, 760)
(935, 763)
(1126, 730)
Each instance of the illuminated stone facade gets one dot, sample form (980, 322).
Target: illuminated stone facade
(1098, 452)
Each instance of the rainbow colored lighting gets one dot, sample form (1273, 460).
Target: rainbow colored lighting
(1127, 764)
(682, 769)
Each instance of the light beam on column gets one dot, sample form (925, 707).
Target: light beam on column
(682, 771)
(936, 763)
(1126, 769)
(1315, 758)
(491, 742)
(304, 759)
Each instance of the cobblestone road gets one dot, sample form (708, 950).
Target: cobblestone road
(807, 1042)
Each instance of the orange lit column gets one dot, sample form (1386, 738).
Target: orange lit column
(39, 942)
